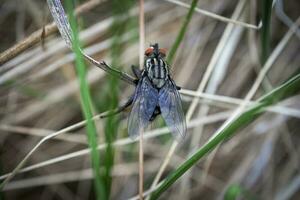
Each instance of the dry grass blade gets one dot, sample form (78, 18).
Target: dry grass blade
(141, 62)
(217, 17)
(291, 87)
(46, 31)
(42, 133)
(283, 110)
(42, 141)
(121, 142)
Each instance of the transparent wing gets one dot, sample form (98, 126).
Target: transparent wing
(61, 21)
(144, 103)
(171, 109)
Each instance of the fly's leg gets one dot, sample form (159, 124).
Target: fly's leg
(155, 113)
(105, 67)
(64, 26)
(177, 87)
(136, 71)
(118, 110)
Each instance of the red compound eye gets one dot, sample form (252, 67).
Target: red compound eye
(163, 51)
(149, 51)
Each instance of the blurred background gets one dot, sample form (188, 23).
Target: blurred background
(39, 95)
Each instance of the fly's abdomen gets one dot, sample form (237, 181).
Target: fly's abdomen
(157, 71)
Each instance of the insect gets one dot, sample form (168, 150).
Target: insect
(155, 93)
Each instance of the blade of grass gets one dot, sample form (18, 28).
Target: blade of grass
(141, 62)
(182, 32)
(266, 30)
(216, 16)
(35, 37)
(85, 96)
(283, 91)
(154, 133)
(236, 191)
(233, 192)
(289, 190)
(118, 29)
(1, 193)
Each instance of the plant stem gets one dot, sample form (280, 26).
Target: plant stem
(86, 106)
(266, 30)
(182, 32)
(141, 62)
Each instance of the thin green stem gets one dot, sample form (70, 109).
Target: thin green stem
(182, 32)
(86, 106)
(236, 191)
(266, 30)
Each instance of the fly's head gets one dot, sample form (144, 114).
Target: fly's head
(155, 52)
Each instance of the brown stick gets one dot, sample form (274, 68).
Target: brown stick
(141, 167)
(36, 36)
(141, 61)
(142, 34)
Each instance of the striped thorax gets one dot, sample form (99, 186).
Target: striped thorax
(155, 66)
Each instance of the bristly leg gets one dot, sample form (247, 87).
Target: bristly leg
(156, 112)
(65, 30)
(102, 65)
(136, 71)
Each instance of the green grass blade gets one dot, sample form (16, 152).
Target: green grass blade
(233, 192)
(1, 193)
(86, 107)
(118, 28)
(283, 91)
(236, 191)
(182, 32)
(266, 30)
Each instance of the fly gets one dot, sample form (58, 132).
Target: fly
(155, 94)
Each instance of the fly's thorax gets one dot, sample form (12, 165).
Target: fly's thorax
(157, 71)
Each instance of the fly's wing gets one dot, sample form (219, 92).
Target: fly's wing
(171, 109)
(144, 103)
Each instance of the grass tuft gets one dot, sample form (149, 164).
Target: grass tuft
(283, 91)
(86, 106)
